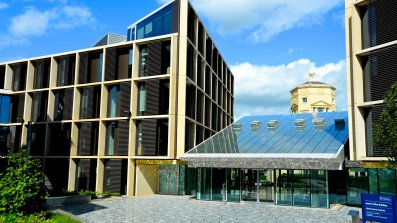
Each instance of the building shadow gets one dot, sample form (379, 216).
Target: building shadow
(81, 208)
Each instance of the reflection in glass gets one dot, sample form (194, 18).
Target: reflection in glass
(284, 187)
(319, 189)
(301, 187)
(357, 184)
(143, 59)
(387, 182)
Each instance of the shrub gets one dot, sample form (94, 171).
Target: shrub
(22, 185)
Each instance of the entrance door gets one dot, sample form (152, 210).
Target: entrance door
(266, 185)
(257, 185)
(168, 179)
(249, 185)
(218, 184)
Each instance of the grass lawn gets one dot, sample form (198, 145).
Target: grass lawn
(47, 217)
(60, 218)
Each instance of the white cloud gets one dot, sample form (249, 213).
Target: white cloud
(32, 22)
(162, 1)
(74, 16)
(263, 19)
(7, 40)
(3, 5)
(262, 89)
(35, 23)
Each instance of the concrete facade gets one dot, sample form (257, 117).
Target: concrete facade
(369, 53)
(127, 108)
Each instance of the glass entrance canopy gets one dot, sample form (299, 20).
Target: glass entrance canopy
(290, 141)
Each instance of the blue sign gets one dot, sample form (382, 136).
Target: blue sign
(378, 208)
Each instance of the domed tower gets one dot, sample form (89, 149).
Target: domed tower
(313, 96)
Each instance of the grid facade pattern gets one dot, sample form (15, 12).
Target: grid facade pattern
(109, 113)
(371, 50)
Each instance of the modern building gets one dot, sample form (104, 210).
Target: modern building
(313, 96)
(289, 159)
(117, 117)
(371, 51)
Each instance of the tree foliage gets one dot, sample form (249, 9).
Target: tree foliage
(22, 187)
(385, 132)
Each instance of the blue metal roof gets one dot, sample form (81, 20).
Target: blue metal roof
(241, 138)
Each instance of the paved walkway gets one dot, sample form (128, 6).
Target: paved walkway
(163, 208)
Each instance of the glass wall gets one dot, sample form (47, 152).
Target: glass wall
(302, 188)
(284, 187)
(214, 183)
(160, 23)
(357, 184)
(5, 103)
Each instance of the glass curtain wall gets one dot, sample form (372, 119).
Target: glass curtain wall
(214, 183)
(302, 188)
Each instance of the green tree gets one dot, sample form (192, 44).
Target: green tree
(385, 132)
(22, 187)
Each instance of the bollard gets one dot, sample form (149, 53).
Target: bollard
(224, 193)
(355, 216)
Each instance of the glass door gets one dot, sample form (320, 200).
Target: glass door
(249, 185)
(302, 188)
(266, 184)
(233, 185)
(284, 187)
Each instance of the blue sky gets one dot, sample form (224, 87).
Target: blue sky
(270, 45)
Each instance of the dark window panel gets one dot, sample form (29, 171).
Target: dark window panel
(87, 139)
(379, 73)
(10, 139)
(191, 101)
(39, 106)
(117, 134)
(41, 73)
(86, 174)
(19, 76)
(115, 176)
(59, 133)
(153, 97)
(118, 63)
(90, 102)
(57, 172)
(38, 137)
(2, 76)
(378, 22)
(155, 59)
(63, 104)
(152, 137)
(191, 28)
(90, 69)
(66, 70)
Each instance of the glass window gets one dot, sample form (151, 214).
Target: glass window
(110, 138)
(357, 184)
(157, 24)
(142, 99)
(140, 33)
(304, 100)
(387, 182)
(5, 103)
(129, 34)
(284, 187)
(373, 180)
(301, 185)
(112, 101)
(319, 188)
(148, 28)
(143, 57)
